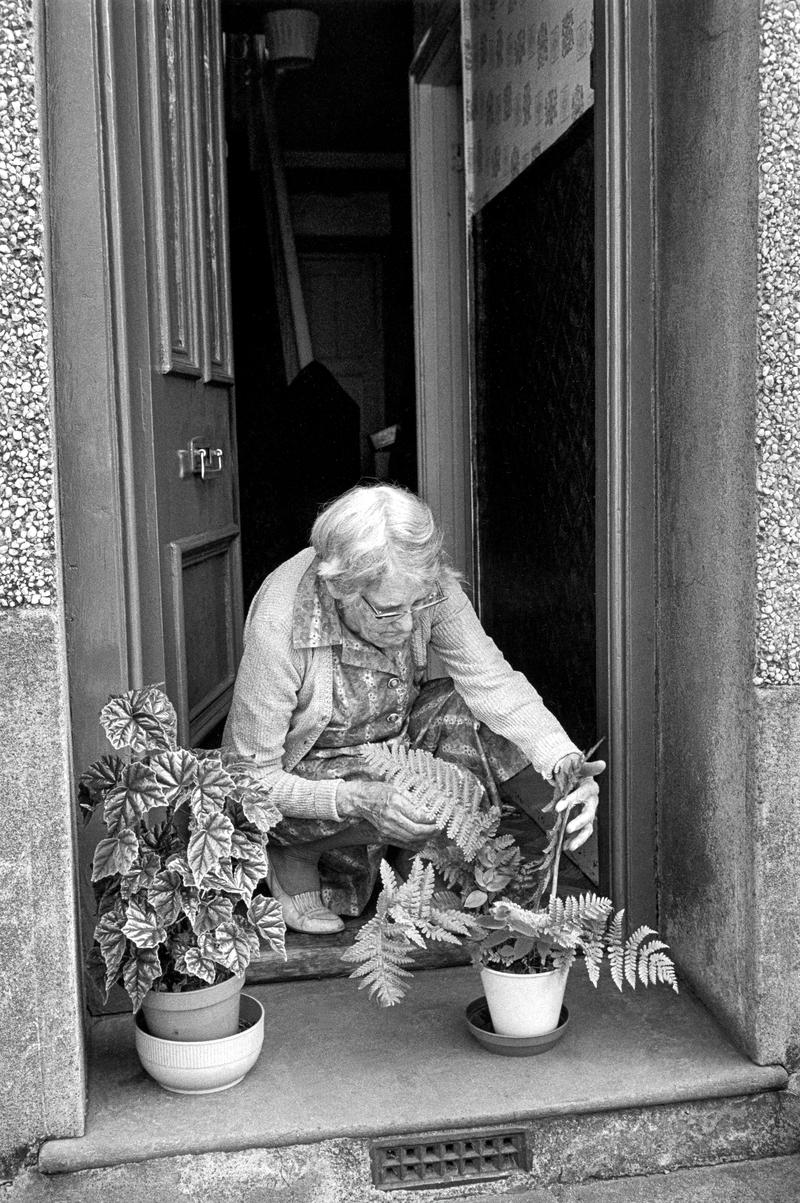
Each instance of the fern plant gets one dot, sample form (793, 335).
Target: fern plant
(477, 865)
(185, 849)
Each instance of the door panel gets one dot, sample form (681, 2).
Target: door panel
(206, 604)
(183, 168)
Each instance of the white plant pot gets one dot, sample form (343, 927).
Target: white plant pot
(207, 1014)
(203, 1066)
(524, 1004)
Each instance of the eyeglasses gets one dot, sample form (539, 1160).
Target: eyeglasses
(427, 603)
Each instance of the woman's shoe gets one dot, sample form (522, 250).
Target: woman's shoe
(304, 912)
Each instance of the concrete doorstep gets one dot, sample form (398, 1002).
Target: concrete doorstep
(641, 1082)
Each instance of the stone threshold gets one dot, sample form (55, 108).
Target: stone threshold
(336, 1066)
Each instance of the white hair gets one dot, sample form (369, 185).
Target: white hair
(372, 531)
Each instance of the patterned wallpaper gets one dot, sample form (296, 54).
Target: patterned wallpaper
(526, 80)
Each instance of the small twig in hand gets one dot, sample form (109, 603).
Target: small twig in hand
(551, 857)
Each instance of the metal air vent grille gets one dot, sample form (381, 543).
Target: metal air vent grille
(436, 1159)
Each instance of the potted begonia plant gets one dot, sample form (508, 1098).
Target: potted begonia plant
(525, 952)
(177, 875)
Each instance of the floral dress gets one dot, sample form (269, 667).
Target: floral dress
(379, 696)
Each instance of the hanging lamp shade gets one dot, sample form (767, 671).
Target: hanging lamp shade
(290, 35)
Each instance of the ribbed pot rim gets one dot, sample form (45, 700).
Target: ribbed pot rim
(192, 1000)
(220, 1040)
(537, 973)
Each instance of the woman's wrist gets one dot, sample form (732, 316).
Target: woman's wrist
(347, 799)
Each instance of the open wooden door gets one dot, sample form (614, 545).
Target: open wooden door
(191, 360)
(164, 132)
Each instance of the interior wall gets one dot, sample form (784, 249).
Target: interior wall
(706, 190)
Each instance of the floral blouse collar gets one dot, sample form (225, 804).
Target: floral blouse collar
(315, 621)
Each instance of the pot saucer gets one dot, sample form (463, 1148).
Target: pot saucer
(480, 1026)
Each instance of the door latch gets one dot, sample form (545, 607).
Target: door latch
(197, 460)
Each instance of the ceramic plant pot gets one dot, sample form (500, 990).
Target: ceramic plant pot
(291, 36)
(524, 1004)
(207, 1014)
(203, 1066)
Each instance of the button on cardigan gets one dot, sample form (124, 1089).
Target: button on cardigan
(283, 696)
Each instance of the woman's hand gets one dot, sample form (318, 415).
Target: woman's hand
(398, 819)
(586, 796)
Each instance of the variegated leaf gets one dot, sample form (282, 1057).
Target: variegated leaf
(246, 878)
(228, 946)
(179, 864)
(176, 773)
(190, 902)
(141, 971)
(129, 801)
(258, 810)
(211, 912)
(140, 719)
(245, 846)
(98, 779)
(267, 917)
(192, 962)
(222, 878)
(244, 772)
(209, 845)
(212, 786)
(112, 943)
(164, 895)
(116, 854)
(142, 876)
(143, 927)
(255, 862)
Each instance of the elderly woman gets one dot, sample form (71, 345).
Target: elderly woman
(336, 646)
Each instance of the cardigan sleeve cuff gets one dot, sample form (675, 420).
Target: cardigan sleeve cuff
(549, 752)
(325, 800)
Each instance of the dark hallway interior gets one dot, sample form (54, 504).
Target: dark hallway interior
(343, 129)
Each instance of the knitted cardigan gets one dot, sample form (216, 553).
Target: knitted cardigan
(283, 696)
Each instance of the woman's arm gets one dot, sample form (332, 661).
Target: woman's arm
(496, 694)
(264, 702)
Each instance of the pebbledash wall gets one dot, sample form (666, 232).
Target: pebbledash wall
(42, 1074)
(727, 200)
(775, 762)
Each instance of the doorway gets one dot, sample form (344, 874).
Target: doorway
(104, 371)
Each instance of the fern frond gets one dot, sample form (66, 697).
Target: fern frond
(593, 952)
(381, 952)
(388, 879)
(458, 922)
(440, 935)
(452, 796)
(632, 945)
(616, 953)
(416, 891)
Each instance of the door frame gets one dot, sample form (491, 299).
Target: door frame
(626, 548)
(442, 287)
(111, 572)
(625, 400)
